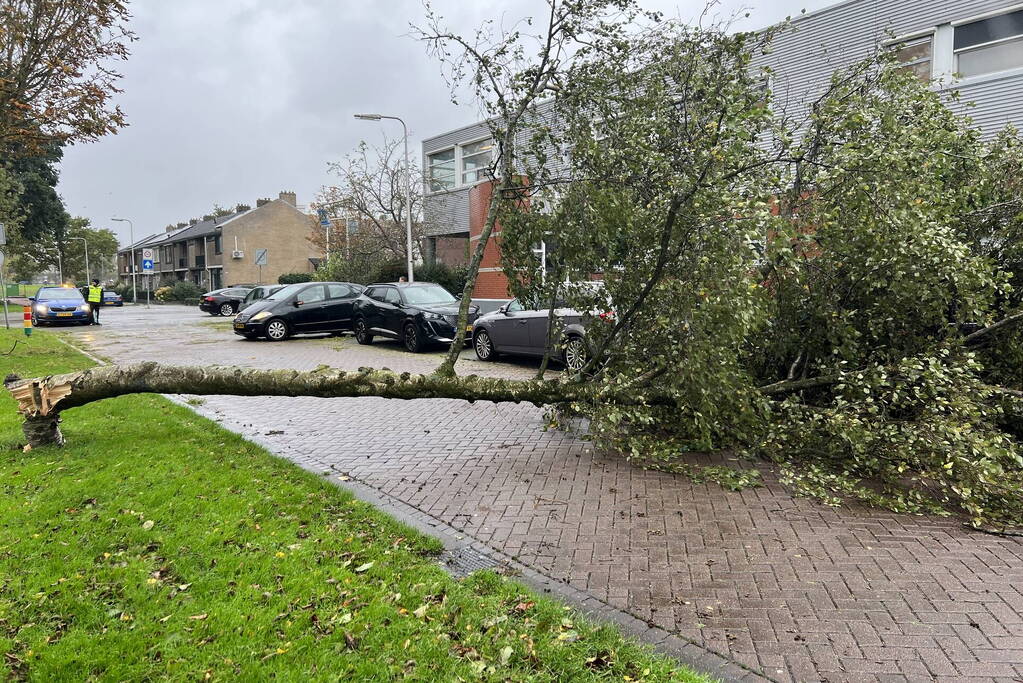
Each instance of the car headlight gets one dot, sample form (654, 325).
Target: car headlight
(40, 308)
(84, 307)
(433, 316)
(262, 315)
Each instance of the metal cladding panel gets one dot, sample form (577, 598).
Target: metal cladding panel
(996, 103)
(804, 55)
(447, 213)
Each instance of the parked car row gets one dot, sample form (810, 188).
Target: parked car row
(417, 314)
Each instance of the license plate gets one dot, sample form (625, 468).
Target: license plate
(468, 328)
(239, 326)
(64, 315)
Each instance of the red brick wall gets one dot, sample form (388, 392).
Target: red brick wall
(491, 283)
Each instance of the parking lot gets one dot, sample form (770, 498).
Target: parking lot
(793, 589)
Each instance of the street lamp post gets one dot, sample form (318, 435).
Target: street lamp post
(131, 236)
(88, 275)
(408, 187)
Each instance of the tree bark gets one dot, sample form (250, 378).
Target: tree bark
(41, 400)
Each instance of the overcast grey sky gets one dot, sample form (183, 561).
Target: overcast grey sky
(233, 100)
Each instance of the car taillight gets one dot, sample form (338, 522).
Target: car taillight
(209, 298)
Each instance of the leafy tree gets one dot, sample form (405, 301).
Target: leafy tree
(56, 71)
(510, 73)
(102, 246)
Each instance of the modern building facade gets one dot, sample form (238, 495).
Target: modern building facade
(222, 251)
(974, 47)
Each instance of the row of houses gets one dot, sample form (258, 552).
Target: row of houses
(223, 250)
(974, 47)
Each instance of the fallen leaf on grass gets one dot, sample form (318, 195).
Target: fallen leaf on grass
(199, 617)
(420, 612)
(506, 653)
(148, 524)
(364, 567)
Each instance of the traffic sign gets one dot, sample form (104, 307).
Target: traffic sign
(324, 218)
(147, 261)
(261, 257)
(3, 234)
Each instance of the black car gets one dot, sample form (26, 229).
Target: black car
(417, 313)
(258, 292)
(112, 298)
(225, 301)
(299, 309)
(519, 331)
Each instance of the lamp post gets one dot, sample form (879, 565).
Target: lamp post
(131, 237)
(88, 277)
(408, 187)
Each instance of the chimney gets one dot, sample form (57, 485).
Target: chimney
(288, 197)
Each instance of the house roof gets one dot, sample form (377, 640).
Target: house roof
(208, 227)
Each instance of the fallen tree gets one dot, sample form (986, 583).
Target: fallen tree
(41, 400)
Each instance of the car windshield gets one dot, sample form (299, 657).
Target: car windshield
(428, 294)
(58, 293)
(284, 292)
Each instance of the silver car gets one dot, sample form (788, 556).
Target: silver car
(515, 330)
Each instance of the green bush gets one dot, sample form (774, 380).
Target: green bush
(185, 291)
(294, 278)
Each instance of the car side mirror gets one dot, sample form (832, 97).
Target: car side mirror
(503, 309)
(31, 298)
(296, 303)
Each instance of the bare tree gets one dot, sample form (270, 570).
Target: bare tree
(372, 191)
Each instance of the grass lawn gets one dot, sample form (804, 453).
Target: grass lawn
(159, 546)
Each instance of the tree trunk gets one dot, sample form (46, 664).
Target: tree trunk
(41, 400)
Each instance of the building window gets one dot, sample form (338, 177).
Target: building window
(989, 45)
(218, 245)
(915, 56)
(441, 167)
(476, 160)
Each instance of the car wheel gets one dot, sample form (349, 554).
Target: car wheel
(226, 309)
(575, 355)
(362, 334)
(35, 321)
(484, 346)
(410, 337)
(277, 330)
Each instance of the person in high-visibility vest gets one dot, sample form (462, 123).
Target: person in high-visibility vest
(95, 300)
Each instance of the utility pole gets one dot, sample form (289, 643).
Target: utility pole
(408, 187)
(88, 275)
(131, 236)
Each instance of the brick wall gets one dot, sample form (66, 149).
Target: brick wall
(491, 283)
(277, 226)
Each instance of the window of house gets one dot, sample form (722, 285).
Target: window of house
(476, 160)
(989, 45)
(915, 56)
(441, 170)
(218, 245)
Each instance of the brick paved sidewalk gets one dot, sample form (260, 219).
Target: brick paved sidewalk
(791, 588)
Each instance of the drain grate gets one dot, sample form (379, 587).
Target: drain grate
(461, 562)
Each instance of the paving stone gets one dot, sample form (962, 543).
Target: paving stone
(791, 588)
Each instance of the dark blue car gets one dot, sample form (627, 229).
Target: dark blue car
(60, 305)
